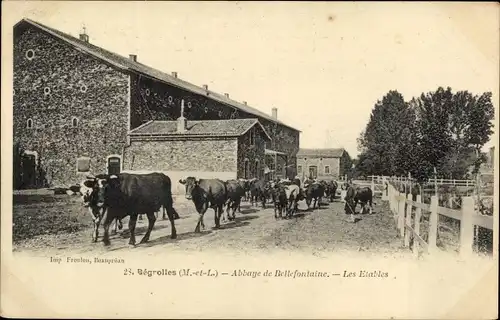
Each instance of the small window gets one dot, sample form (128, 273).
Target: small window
(327, 169)
(30, 54)
(252, 137)
(46, 90)
(170, 99)
(257, 169)
(299, 169)
(246, 170)
(148, 92)
(83, 164)
(206, 110)
(74, 122)
(220, 113)
(189, 105)
(29, 124)
(83, 88)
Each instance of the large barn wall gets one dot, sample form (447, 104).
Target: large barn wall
(201, 158)
(101, 109)
(150, 101)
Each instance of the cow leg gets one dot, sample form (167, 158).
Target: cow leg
(115, 230)
(218, 211)
(131, 226)
(236, 205)
(172, 215)
(151, 223)
(308, 202)
(201, 213)
(263, 199)
(371, 206)
(96, 220)
(107, 222)
(120, 224)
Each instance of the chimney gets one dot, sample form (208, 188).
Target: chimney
(174, 74)
(275, 113)
(84, 37)
(244, 102)
(133, 57)
(227, 95)
(205, 87)
(181, 121)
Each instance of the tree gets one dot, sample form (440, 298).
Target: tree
(387, 134)
(450, 127)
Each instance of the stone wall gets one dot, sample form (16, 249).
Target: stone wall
(320, 163)
(251, 153)
(54, 83)
(202, 154)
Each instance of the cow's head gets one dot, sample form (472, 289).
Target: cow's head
(191, 184)
(92, 191)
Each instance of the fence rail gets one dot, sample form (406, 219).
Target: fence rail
(409, 227)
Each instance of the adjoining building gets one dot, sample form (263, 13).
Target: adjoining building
(328, 163)
(76, 106)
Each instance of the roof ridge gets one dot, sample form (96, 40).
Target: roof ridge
(186, 85)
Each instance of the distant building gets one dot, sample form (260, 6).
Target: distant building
(323, 163)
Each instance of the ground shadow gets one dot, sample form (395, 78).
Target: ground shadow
(244, 218)
(248, 211)
(140, 230)
(233, 224)
(164, 239)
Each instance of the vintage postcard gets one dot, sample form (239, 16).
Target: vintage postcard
(333, 160)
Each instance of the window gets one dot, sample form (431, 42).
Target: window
(30, 54)
(246, 169)
(299, 169)
(313, 172)
(83, 165)
(74, 122)
(327, 169)
(29, 124)
(170, 99)
(148, 92)
(46, 90)
(257, 169)
(189, 105)
(83, 88)
(252, 137)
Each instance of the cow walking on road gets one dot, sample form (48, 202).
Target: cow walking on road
(293, 195)
(127, 194)
(314, 191)
(279, 197)
(259, 191)
(363, 195)
(235, 193)
(206, 193)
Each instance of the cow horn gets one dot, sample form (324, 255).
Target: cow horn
(113, 177)
(182, 181)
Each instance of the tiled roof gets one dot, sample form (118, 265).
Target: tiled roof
(128, 64)
(326, 153)
(215, 128)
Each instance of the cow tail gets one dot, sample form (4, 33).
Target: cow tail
(169, 205)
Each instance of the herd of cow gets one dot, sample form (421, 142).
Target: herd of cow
(113, 197)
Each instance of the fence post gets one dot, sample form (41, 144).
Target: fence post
(409, 207)
(418, 215)
(433, 223)
(466, 226)
(401, 215)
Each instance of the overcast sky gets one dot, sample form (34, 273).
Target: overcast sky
(323, 65)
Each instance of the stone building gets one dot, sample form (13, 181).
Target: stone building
(323, 163)
(76, 103)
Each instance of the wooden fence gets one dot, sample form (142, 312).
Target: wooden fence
(409, 226)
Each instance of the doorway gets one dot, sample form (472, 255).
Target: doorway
(114, 165)
(313, 172)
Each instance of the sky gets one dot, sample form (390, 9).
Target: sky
(323, 65)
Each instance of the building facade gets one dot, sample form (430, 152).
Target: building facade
(75, 104)
(323, 163)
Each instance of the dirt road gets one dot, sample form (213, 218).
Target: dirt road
(255, 229)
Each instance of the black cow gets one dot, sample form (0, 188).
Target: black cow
(331, 189)
(128, 194)
(206, 193)
(235, 192)
(363, 195)
(314, 191)
(259, 190)
(279, 199)
(245, 184)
